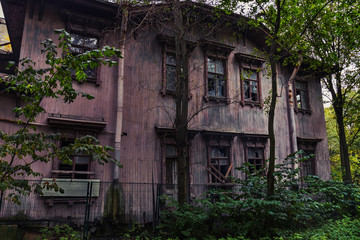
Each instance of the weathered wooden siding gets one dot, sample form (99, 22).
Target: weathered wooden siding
(145, 107)
(102, 107)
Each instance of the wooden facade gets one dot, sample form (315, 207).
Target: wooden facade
(229, 82)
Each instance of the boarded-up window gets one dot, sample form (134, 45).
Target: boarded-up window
(219, 159)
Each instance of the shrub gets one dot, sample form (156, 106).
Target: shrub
(248, 211)
(60, 232)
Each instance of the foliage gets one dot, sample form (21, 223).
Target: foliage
(352, 135)
(60, 232)
(345, 228)
(247, 211)
(26, 146)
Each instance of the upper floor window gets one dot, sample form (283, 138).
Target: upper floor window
(81, 43)
(250, 83)
(301, 96)
(216, 77)
(250, 86)
(215, 66)
(170, 64)
(85, 32)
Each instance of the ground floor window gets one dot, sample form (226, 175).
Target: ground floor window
(219, 161)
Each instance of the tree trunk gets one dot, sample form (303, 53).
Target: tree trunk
(270, 175)
(344, 153)
(273, 63)
(181, 118)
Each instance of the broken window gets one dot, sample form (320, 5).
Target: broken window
(170, 72)
(250, 85)
(216, 77)
(301, 96)
(254, 150)
(169, 76)
(250, 72)
(219, 164)
(215, 70)
(85, 33)
(79, 167)
(219, 159)
(81, 43)
(255, 156)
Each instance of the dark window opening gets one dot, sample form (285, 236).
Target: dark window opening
(255, 156)
(170, 72)
(79, 168)
(80, 43)
(171, 166)
(308, 166)
(301, 96)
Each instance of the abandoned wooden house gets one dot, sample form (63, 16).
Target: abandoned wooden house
(228, 84)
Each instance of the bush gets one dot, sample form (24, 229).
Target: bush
(248, 211)
(60, 232)
(343, 229)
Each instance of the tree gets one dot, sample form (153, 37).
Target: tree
(286, 23)
(26, 146)
(335, 48)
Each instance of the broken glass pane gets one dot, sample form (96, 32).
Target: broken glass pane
(211, 65)
(211, 85)
(91, 42)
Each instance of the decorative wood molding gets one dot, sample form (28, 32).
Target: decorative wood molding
(71, 121)
(249, 59)
(216, 49)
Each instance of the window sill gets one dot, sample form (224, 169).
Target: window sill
(172, 94)
(252, 104)
(216, 99)
(50, 201)
(303, 111)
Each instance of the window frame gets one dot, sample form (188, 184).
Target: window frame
(308, 145)
(87, 26)
(224, 76)
(257, 141)
(307, 97)
(84, 48)
(262, 164)
(167, 44)
(250, 63)
(217, 51)
(69, 137)
(218, 140)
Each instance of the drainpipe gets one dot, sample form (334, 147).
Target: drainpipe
(120, 93)
(291, 112)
